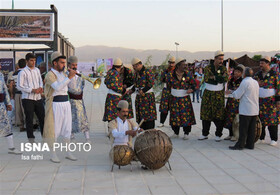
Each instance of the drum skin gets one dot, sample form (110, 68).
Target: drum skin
(235, 128)
(121, 155)
(153, 148)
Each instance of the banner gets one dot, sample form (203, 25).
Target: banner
(6, 66)
(86, 68)
(100, 65)
(109, 63)
(40, 57)
(24, 26)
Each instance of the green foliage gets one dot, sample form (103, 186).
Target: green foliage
(148, 61)
(257, 57)
(101, 68)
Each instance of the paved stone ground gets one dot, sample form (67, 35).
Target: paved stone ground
(198, 167)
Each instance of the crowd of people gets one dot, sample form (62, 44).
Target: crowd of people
(54, 98)
(258, 95)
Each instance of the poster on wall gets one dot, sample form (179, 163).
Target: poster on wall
(109, 63)
(24, 26)
(39, 58)
(86, 68)
(6, 66)
(100, 65)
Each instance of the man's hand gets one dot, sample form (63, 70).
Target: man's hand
(41, 90)
(131, 133)
(189, 91)
(72, 73)
(141, 92)
(35, 91)
(278, 105)
(9, 107)
(140, 130)
(129, 92)
(260, 83)
(228, 92)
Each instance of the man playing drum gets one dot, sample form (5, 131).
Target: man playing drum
(121, 129)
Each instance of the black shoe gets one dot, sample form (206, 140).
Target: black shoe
(197, 101)
(235, 148)
(250, 148)
(35, 126)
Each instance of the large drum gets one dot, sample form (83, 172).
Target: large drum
(235, 128)
(153, 148)
(121, 155)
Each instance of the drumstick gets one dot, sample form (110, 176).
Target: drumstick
(141, 122)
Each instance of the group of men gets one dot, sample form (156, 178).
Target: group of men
(62, 113)
(249, 96)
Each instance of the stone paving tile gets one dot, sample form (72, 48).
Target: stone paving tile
(198, 167)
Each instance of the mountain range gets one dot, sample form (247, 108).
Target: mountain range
(90, 53)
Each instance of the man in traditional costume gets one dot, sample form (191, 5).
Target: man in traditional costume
(5, 122)
(127, 77)
(121, 129)
(114, 83)
(269, 82)
(165, 95)
(181, 84)
(75, 91)
(213, 100)
(145, 99)
(58, 120)
(232, 104)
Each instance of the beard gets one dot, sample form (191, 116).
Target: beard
(61, 69)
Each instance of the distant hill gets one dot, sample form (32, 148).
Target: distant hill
(91, 53)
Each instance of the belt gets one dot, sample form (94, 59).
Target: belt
(2, 97)
(18, 92)
(60, 98)
(149, 91)
(211, 87)
(179, 92)
(75, 97)
(264, 93)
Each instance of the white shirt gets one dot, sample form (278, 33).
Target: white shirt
(248, 93)
(119, 133)
(73, 83)
(27, 80)
(60, 85)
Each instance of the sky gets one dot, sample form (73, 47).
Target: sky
(249, 25)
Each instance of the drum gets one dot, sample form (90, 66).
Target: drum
(235, 128)
(121, 155)
(153, 148)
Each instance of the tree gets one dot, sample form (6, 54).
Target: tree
(165, 62)
(148, 61)
(257, 57)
